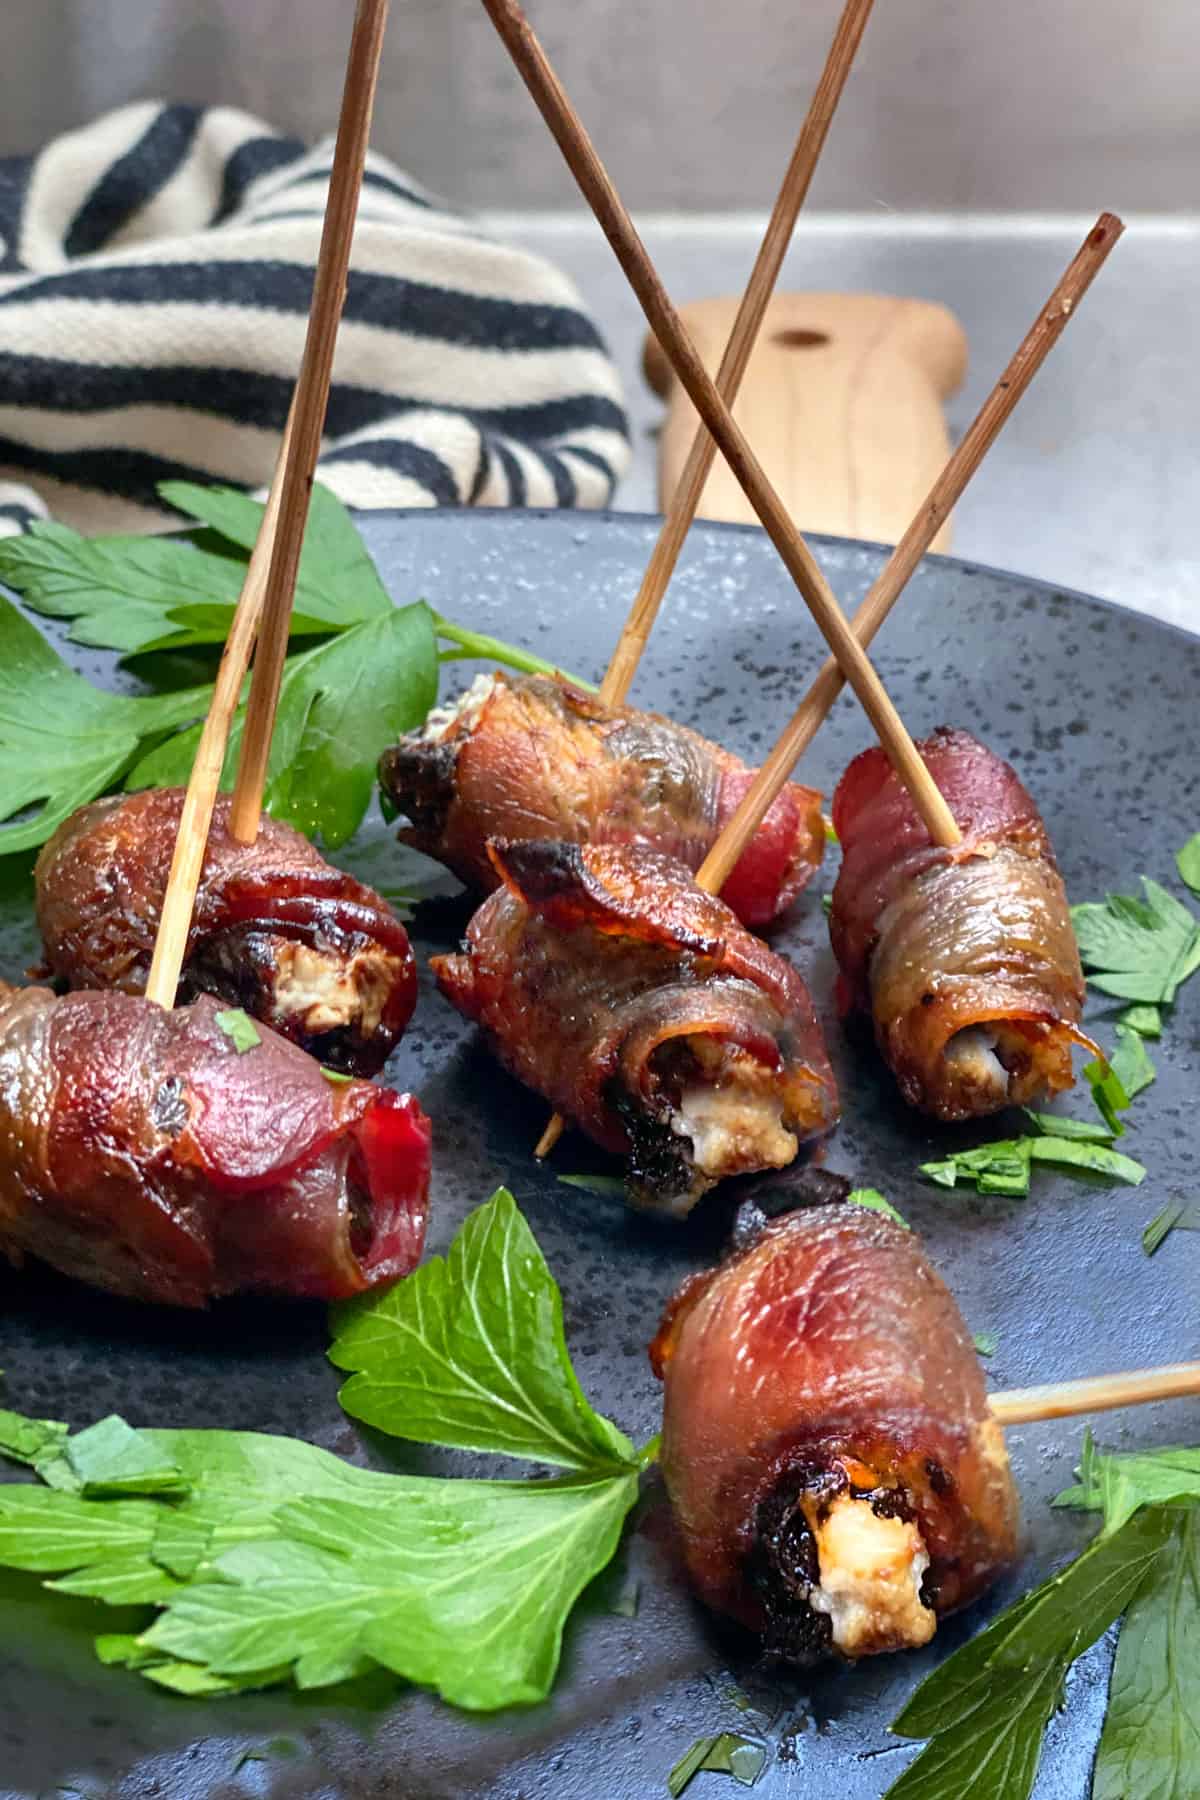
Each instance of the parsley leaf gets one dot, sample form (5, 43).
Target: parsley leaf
(1118, 1485)
(123, 593)
(1187, 861)
(724, 1753)
(340, 706)
(594, 1184)
(463, 1586)
(1128, 1072)
(1130, 1062)
(1057, 1125)
(63, 741)
(1175, 1216)
(272, 1560)
(1150, 1744)
(239, 1028)
(136, 594)
(337, 583)
(986, 1708)
(1145, 1020)
(111, 1458)
(1138, 950)
(470, 1352)
(872, 1198)
(986, 1343)
(1005, 1166)
(342, 702)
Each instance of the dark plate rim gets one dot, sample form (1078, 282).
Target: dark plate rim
(726, 527)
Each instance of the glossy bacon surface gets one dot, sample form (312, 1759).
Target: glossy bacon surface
(538, 758)
(276, 929)
(141, 1152)
(827, 1360)
(641, 1009)
(976, 940)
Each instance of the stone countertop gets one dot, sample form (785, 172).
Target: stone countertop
(1095, 481)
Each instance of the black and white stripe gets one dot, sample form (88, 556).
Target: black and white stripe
(155, 276)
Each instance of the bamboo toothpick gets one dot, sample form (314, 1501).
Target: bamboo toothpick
(593, 180)
(195, 819)
(945, 493)
(312, 397)
(635, 633)
(1098, 1393)
(682, 510)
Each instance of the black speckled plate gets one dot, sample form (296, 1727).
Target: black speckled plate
(1097, 708)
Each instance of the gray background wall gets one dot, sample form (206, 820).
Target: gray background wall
(976, 104)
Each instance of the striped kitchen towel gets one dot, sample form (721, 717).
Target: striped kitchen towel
(155, 275)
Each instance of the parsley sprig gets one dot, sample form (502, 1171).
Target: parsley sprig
(269, 1560)
(985, 1710)
(364, 671)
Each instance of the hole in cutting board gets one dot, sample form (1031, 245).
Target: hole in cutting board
(798, 337)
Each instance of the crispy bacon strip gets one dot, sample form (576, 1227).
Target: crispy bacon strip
(641, 1009)
(836, 1476)
(534, 757)
(276, 930)
(143, 1153)
(965, 958)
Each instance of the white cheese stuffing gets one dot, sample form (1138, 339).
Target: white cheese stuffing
(971, 1053)
(327, 993)
(464, 709)
(732, 1126)
(870, 1585)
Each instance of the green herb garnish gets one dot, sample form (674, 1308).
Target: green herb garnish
(1145, 1020)
(725, 1753)
(335, 1077)
(1114, 1086)
(986, 1343)
(1056, 1125)
(1174, 1216)
(1005, 1167)
(1187, 861)
(872, 1198)
(63, 741)
(1109, 1093)
(1138, 950)
(594, 1184)
(271, 1560)
(342, 702)
(239, 1028)
(986, 1708)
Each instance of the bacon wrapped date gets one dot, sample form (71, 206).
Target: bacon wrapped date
(965, 957)
(534, 757)
(838, 1481)
(276, 930)
(142, 1152)
(642, 1010)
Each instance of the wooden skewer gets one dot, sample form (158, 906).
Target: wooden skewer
(592, 177)
(312, 397)
(1099, 1393)
(945, 493)
(947, 490)
(637, 628)
(191, 838)
(635, 633)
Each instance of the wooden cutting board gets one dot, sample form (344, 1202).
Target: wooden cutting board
(842, 402)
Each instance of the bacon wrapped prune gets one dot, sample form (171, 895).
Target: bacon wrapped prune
(838, 1481)
(535, 757)
(144, 1152)
(965, 958)
(275, 930)
(642, 1010)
